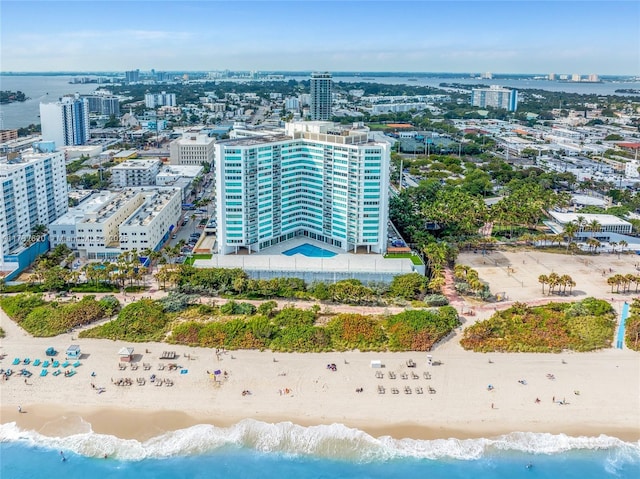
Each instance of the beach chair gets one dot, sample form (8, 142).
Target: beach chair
(71, 373)
(381, 390)
(161, 367)
(414, 375)
(407, 390)
(44, 372)
(26, 361)
(46, 364)
(122, 366)
(146, 366)
(36, 362)
(431, 390)
(66, 364)
(134, 366)
(395, 391)
(404, 376)
(56, 372)
(427, 375)
(392, 375)
(56, 363)
(16, 361)
(419, 390)
(76, 364)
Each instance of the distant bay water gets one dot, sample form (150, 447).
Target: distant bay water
(43, 88)
(38, 89)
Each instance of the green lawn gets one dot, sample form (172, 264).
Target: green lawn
(191, 259)
(415, 259)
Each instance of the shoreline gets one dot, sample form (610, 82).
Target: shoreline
(144, 425)
(460, 394)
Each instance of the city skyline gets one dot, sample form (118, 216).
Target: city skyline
(459, 36)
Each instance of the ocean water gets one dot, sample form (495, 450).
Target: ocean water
(253, 449)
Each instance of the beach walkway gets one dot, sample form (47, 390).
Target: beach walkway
(623, 319)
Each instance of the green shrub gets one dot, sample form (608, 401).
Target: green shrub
(355, 331)
(232, 307)
(582, 326)
(143, 320)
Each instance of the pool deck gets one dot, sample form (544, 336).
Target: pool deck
(272, 259)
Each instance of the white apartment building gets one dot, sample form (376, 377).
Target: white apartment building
(34, 192)
(66, 122)
(194, 148)
(631, 169)
(396, 107)
(495, 96)
(170, 173)
(152, 223)
(318, 181)
(107, 223)
(152, 100)
(135, 173)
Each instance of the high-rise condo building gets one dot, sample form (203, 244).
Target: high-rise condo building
(33, 191)
(320, 96)
(495, 96)
(66, 122)
(317, 180)
(132, 76)
(104, 105)
(152, 100)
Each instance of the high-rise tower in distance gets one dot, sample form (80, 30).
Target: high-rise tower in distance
(66, 122)
(321, 96)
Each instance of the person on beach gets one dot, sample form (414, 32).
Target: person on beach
(19, 409)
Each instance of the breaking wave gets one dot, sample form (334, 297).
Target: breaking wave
(334, 441)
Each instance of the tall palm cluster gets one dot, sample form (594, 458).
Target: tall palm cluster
(623, 281)
(469, 276)
(438, 256)
(557, 283)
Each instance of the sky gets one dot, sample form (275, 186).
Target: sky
(517, 36)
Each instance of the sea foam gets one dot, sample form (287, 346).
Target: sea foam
(334, 441)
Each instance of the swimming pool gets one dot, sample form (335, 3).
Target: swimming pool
(310, 251)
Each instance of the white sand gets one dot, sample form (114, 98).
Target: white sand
(608, 383)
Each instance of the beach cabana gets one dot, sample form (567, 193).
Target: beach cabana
(73, 351)
(126, 354)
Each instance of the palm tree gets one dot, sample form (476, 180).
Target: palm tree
(565, 280)
(628, 279)
(543, 279)
(623, 244)
(594, 226)
(612, 281)
(570, 230)
(554, 280)
(38, 233)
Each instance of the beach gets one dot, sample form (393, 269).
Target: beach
(461, 394)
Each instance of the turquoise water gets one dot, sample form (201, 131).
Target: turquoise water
(253, 449)
(623, 318)
(310, 250)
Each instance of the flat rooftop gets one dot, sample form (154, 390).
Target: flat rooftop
(602, 219)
